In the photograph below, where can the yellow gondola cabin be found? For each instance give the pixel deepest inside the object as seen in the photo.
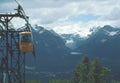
(26, 44)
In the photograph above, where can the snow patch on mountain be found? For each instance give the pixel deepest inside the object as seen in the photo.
(103, 40)
(70, 43)
(42, 31)
(111, 33)
(39, 29)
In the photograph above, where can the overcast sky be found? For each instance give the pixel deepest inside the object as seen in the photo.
(68, 16)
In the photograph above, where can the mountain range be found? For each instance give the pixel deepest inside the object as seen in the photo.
(57, 55)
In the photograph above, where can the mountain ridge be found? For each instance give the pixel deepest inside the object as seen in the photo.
(54, 56)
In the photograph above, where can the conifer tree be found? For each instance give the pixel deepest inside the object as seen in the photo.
(84, 70)
(91, 72)
(77, 73)
(96, 69)
(105, 75)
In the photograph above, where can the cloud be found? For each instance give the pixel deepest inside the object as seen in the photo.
(73, 28)
(50, 15)
(6, 1)
(70, 43)
(113, 15)
(47, 3)
(57, 13)
(81, 28)
(7, 6)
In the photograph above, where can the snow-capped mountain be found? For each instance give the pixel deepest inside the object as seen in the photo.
(72, 41)
(106, 36)
(105, 44)
(51, 52)
(54, 51)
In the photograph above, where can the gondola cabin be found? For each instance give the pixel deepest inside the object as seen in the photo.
(26, 44)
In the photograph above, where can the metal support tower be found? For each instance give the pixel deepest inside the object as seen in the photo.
(12, 61)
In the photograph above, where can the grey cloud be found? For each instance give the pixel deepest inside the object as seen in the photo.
(50, 11)
(114, 15)
(6, 1)
(7, 7)
(47, 3)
